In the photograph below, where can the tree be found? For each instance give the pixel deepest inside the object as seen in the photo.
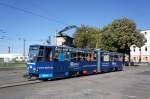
(120, 35)
(86, 37)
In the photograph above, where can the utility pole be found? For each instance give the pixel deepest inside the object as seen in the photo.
(8, 49)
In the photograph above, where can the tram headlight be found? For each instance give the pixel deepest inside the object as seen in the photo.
(34, 69)
(30, 66)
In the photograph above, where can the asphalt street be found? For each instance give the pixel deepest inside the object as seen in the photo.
(11, 76)
(132, 83)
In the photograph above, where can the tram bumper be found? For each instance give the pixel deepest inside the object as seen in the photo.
(45, 75)
(45, 72)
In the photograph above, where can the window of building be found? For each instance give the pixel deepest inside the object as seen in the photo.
(145, 48)
(145, 33)
(134, 58)
(145, 40)
(134, 48)
(146, 58)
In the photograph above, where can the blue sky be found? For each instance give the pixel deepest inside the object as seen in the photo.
(19, 25)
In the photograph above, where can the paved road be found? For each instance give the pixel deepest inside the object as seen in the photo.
(11, 76)
(133, 83)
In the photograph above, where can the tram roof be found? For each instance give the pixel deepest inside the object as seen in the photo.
(77, 49)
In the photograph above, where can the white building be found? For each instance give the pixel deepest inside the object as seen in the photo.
(60, 41)
(10, 57)
(63, 39)
(142, 54)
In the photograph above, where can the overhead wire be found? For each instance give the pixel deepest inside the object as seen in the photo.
(32, 13)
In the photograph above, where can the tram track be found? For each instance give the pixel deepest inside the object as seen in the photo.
(14, 84)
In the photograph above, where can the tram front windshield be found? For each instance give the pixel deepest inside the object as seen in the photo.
(33, 51)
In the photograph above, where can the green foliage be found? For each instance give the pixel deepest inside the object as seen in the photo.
(87, 37)
(120, 35)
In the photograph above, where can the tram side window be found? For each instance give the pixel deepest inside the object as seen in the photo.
(83, 55)
(79, 56)
(95, 56)
(67, 55)
(73, 56)
(60, 54)
(111, 58)
(91, 56)
(48, 54)
(56, 56)
(115, 57)
(106, 58)
(120, 58)
(88, 56)
(102, 58)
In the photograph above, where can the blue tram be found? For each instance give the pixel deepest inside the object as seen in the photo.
(49, 62)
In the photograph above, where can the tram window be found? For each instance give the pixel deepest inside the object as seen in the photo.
(73, 56)
(106, 58)
(41, 54)
(61, 56)
(48, 54)
(56, 55)
(95, 56)
(102, 58)
(67, 55)
(91, 56)
(83, 55)
(88, 56)
(120, 58)
(80, 56)
(111, 58)
(115, 57)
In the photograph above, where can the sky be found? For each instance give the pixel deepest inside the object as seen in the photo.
(38, 19)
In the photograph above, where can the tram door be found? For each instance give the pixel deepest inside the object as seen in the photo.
(98, 52)
(61, 61)
(105, 61)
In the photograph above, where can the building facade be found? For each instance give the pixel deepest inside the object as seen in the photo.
(4, 58)
(64, 40)
(142, 54)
